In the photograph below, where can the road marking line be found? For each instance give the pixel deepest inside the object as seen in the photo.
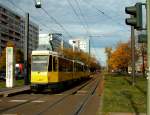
(58, 94)
(20, 101)
(82, 91)
(10, 114)
(38, 101)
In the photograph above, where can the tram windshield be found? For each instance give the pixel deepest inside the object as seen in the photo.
(40, 63)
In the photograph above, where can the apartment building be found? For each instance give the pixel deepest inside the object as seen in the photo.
(12, 28)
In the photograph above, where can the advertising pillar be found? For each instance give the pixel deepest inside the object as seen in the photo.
(9, 67)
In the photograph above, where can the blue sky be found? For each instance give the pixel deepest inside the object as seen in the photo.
(103, 19)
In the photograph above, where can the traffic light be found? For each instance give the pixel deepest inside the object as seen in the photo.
(136, 16)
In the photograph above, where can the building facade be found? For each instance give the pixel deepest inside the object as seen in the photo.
(82, 44)
(12, 28)
(52, 41)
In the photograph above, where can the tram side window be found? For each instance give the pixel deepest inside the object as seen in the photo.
(54, 63)
(60, 68)
(82, 68)
(85, 68)
(78, 67)
(62, 65)
(75, 67)
(69, 66)
(65, 65)
(50, 63)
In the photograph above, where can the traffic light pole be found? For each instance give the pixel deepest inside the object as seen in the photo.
(133, 54)
(143, 64)
(148, 57)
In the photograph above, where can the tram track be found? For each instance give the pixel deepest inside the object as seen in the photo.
(80, 106)
(83, 103)
(72, 92)
(64, 95)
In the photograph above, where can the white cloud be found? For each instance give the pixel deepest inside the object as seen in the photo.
(99, 53)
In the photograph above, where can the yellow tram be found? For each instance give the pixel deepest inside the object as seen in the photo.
(48, 69)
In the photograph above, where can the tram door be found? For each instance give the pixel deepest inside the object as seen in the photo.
(53, 69)
(49, 67)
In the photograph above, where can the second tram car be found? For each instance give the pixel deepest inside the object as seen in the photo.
(48, 69)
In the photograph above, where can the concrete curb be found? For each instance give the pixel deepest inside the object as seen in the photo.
(120, 113)
(14, 91)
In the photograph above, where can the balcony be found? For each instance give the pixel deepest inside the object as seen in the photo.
(4, 16)
(11, 15)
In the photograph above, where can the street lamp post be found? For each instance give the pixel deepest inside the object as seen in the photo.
(26, 63)
(73, 45)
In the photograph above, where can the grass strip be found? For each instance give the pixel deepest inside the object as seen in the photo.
(121, 96)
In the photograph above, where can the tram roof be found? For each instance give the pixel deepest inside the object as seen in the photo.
(47, 52)
(44, 52)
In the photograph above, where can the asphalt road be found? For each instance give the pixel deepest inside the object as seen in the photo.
(53, 104)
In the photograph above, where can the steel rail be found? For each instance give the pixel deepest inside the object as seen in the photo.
(85, 100)
(71, 92)
(65, 95)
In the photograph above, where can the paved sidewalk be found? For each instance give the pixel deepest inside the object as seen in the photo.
(4, 92)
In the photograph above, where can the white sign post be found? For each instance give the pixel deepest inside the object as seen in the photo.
(9, 67)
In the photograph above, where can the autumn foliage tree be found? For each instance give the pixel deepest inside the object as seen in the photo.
(121, 57)
(3, 56)
(19, 56)
(81, 56)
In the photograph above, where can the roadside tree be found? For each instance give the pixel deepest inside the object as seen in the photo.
(18, 55)
(121, 57)
(90, 61)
